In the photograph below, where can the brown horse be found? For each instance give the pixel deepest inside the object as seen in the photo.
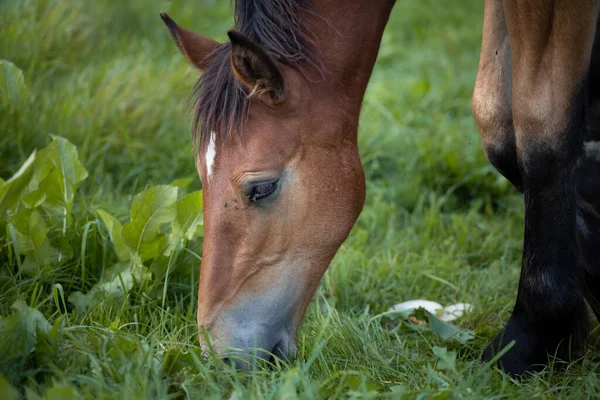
(276, 121)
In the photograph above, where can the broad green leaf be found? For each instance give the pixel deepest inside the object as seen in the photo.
(160, 265)
(30, 228)
(151, 248)
(188, 223)
(61, 393)
(29, 234)
(32, 194)
(58, 200)
(436, 325)
(48, 344)
(32, 319)
(448, 331)
(420, 88)
(10, 190)
(82, 302)
(398, 389)
(67, 160)
(150, 210)
(19, 333)
(42, 167)
(189, 214)
(117, 280)
(31, 394)
(175, 359)
(446, 359)
(13, 91)
(33, 199)
(58, 174)
(181, 183)
(7, 390)
(30, 264)
(352, 381)
(115, 230)
(62, 245)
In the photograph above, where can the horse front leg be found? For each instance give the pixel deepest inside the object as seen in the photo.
(550, 43)
(588, 188)
(492, 95)
(588, 226)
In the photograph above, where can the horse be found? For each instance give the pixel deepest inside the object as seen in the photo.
(275, 125)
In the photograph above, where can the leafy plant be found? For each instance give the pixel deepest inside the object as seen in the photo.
(27, 335)
(13, 91)
(159, 225)
(36, 204)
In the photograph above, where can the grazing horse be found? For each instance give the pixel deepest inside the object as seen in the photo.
(276, 118)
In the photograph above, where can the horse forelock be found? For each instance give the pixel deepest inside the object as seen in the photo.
(221, 103)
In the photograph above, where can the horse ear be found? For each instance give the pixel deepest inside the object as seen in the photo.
(196, 48)
(254, 69)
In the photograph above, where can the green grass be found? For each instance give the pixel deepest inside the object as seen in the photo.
(439, 222)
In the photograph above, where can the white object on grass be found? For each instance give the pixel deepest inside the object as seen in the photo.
(447, 314)
(455, 311)
(430, 306)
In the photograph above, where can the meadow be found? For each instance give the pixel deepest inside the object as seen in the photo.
(91, 306)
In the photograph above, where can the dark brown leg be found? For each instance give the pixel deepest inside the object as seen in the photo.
(550, 48)
(588, 226)
(588, 185)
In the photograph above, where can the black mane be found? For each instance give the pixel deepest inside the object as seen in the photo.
(221, 103)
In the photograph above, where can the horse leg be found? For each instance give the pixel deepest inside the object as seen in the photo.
(588, 210)
(492, 95)
(588, 227)
(588, 222)
(493, 115)
(550, 48)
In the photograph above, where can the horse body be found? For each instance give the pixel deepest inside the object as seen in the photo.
(282, 194)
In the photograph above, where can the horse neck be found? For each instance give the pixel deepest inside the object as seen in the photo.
(348, 35)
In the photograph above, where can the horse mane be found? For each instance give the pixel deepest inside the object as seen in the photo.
(221, 103)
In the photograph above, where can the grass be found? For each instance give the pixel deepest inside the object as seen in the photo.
(439, 223)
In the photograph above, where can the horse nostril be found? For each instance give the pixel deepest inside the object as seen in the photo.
(279, 352)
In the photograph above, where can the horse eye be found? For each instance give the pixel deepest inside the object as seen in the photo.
(262, 191)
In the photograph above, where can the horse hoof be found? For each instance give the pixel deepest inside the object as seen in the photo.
(519, 351)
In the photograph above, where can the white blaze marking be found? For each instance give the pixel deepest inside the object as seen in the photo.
(211, 152)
